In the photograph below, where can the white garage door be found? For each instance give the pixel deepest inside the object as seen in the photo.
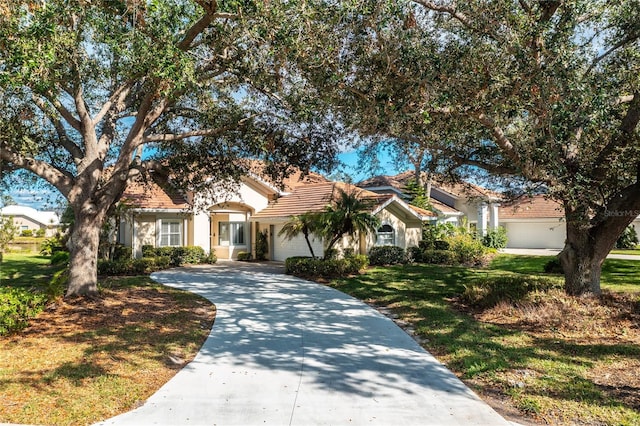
(284, 248)
(535, 235)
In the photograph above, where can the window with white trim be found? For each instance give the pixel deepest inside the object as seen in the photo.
(170, 233)
(386, 236)
(231, 233)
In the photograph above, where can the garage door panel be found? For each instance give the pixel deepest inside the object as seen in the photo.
(297, 246)
(549, 235)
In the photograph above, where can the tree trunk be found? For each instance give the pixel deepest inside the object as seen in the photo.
(585, 250)
(306, 238)
(83, 261)
(582, 265)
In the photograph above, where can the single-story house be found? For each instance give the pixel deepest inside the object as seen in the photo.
(158, 215)
(29, 219)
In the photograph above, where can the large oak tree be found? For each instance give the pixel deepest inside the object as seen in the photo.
(96, 93)
(541, 90)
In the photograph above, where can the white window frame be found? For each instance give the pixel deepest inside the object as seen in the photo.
(172, 233)
(388, 238)
(232, 234)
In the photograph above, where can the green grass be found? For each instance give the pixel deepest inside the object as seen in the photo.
(25, 270)
(88, 360)
(617, 274)
(540, 375)
(635, 251)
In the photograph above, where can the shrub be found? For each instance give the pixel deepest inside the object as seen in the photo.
(210, 258)
(415, 254)
(308, 267)
(387, 255)
(60, 257)
(56, 287)
(439, 257)
(149, 251)
(122, 252)
(441, 245)
(191, 255)
(553, 266)
(244, 256)
(40, 232)
(51, 246)
(145, 265)
(488, 292)
(114, 267)
(162, 262)
(495, 238)
(628, 239)
(468, 250)
(27, 233)
(262, 245)
(17, 306)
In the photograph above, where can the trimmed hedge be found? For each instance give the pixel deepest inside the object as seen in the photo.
(387, 255)
(308, 267)
(439, 257)
(178, 255)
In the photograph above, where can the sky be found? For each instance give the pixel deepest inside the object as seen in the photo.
(41, 199)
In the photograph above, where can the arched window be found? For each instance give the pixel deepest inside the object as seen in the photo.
(386, 236)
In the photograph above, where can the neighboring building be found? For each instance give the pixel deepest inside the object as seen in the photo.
(158, 215)
(459, 203)
(534, 222)
(30, 219)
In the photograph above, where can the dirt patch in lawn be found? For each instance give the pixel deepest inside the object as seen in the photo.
(85, 360)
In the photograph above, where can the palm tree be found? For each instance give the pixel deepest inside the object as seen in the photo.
(347, 215)
(305, 224)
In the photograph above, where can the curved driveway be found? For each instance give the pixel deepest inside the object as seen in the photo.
(284, 351)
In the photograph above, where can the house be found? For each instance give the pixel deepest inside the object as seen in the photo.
(30, 219)
(533, 222)
(400, 223)
(458, 203)
(157, 215)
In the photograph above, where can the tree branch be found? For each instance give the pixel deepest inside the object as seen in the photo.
(116, 98)
(64, 112)
(63, 137)
(500, 138)
(62, 180)
(172, 137)
(450, 10)
(630, 38)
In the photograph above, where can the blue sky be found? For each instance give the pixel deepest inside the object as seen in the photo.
(46, 200)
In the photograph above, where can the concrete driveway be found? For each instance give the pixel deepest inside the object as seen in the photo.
(285, 351)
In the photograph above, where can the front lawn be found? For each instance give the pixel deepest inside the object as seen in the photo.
(81, 362)
(561, 361)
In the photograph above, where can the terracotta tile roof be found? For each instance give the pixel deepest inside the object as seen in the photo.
(314, 198)
(458, 190)
(150, 195)
(537, 206)
(442, 207)
(295, 179)
(422, 212)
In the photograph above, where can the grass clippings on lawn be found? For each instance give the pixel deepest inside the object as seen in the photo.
(92, 359)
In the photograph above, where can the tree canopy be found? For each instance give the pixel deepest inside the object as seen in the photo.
(93, 94)
(544, 91)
